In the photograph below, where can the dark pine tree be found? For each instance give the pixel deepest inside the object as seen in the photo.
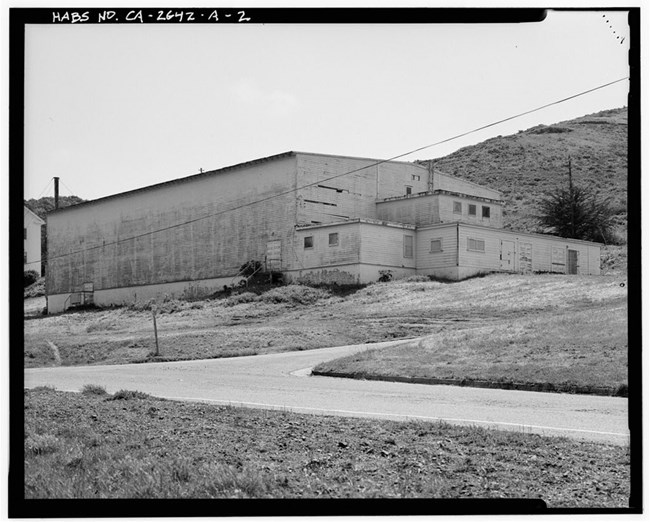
(577, 213)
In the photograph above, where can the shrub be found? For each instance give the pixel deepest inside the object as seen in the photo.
(250, 267)
(127, 395)
(244, 297)
(93, 389)
(293, 294)
(30, 277)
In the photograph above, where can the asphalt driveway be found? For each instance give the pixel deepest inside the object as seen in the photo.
(282, 381)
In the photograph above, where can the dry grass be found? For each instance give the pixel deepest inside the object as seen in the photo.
(93, 446)
(586, 348)
(500, 323)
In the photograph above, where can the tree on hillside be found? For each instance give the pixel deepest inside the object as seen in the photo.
(42, 206)
(575, 212)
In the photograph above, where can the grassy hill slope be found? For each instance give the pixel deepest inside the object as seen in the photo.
(532, 163)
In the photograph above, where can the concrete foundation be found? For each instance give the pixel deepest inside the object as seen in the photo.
(140, 294)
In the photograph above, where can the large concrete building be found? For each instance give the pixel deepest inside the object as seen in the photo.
(313, 217)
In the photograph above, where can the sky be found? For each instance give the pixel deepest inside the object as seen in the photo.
(117, 107)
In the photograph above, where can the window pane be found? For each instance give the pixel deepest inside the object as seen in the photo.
(486, 212)
(458, 209)
(309, 241)
(408, 190)
(334, 239)
(476, 244)
(436, 245)
(472, 210)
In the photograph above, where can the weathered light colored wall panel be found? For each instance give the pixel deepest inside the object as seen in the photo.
(416, 210)
(487, 260)
(203, 249)
(427, 260)
(383, 246)
(322, 254)
(447, 214)
(395, 176)
(345, 197)
(545, 250)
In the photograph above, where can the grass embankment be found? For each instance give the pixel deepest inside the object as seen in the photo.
(543, 333)
(564, 330)
(128, 445)
(582, 351)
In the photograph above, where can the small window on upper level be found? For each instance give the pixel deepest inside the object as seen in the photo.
(458, 207)
(436, 245)
(415, 177)
(486, 212)
(477, 245)
(334, 239)
(408, 246)
(409, 190)
(24, 257)
(309, 242)
(472, 210)
(24, 233)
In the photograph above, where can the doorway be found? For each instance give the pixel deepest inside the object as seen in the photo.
(572, 261)
(507, 255)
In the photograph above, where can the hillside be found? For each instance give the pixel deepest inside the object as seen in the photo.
(527, 165)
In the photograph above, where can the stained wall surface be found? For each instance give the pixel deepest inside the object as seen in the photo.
(134, 239)
(527, 252)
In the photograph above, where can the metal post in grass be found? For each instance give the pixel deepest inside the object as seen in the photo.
(155, 328)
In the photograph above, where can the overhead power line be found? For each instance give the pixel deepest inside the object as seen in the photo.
(379, 162)
(46, 186)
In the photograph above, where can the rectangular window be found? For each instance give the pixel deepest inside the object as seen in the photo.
(415, 177)
(24, 233)
(458, 207)
(334, 239)
(486, 212)
(436, 245)
(472, 210)
(24, 257)
(309, 242)
(408, 246)
(409, 190)
(477, 245)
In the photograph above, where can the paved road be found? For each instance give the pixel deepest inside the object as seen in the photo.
(282, 381)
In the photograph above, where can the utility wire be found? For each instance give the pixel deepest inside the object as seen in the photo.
(43, 191)
(286, 192)
(66, 186)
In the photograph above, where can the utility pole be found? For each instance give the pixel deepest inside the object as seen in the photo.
(155, 327)
(573, 203)
(56, 192)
